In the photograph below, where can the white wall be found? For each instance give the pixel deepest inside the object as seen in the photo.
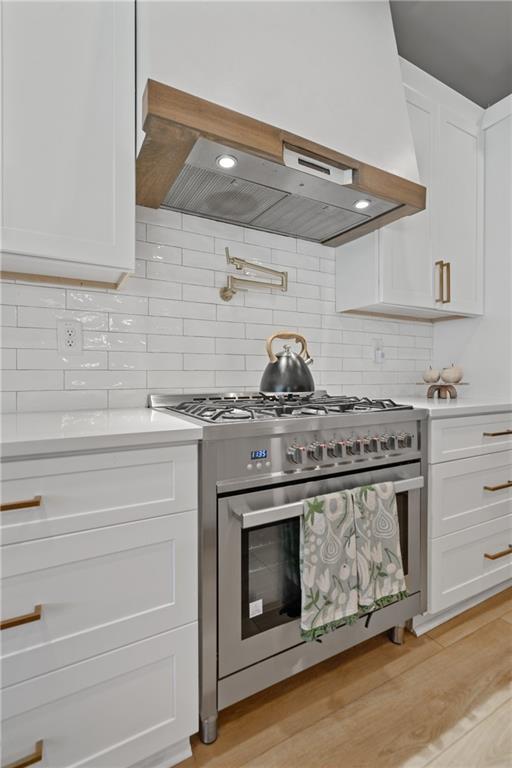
(483, 346)
(168, 329)
(326, 71)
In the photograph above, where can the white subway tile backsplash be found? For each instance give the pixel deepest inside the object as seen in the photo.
(213, 329)
(270, 240)
(8, 358)
(16, 381)
(182, 309)
(200, 380)
(144, 361)
(34, 317)
(168, 330)
(9, 315)
(138, 286)
(160, 253)
(107, 302)
(247, 251)
(43, 359)
(211, 227)
(178, 238)
(32, 295)
(145, 324)
(8, 402)
(163, 217)
(180, 344)
(177, 274)
(127, 342)
(33, 338)
(213, 362)
(104, 379)
(62, 400)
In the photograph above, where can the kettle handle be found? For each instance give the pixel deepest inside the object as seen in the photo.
(287, 335)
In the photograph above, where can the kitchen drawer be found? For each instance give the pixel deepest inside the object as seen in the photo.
(98, 590)
(96, 489)
(460, 438)
(458, 497)
(458, 568)
(111, 710)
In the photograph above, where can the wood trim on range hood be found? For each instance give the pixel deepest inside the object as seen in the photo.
(173, 121)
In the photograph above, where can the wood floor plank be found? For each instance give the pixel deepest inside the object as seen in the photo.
(462, 625)
(507, 616)
(413, 717)
(266, 719)
(488, 744)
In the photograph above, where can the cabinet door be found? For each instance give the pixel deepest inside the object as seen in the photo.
(459, 214)
(406, 246)
(68, 132)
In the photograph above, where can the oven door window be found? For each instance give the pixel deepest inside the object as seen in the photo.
(271, 593)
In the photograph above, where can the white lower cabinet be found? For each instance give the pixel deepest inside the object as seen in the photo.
(465, 563)
(99, 607)
(111, 710)
(470, 507)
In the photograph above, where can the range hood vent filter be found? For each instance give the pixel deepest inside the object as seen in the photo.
(308, 219)
(219, 196)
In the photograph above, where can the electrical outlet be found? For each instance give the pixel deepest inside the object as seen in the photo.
(378, 351)
(69, 336)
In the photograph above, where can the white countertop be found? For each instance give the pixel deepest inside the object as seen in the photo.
(439, 409)
(26, 434)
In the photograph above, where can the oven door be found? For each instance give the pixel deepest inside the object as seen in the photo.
(259, 560)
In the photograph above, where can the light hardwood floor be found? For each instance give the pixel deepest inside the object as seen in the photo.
(443, 700)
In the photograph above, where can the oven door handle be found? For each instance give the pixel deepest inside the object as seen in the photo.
(250, 518)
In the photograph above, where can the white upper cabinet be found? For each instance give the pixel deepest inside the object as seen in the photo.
(429, 265)
(68, 144)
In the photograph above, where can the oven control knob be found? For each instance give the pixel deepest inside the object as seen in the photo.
(349, 447)
(393, 442)
(336, 449)
(408, 439)
(402, 440)
(374, 444)
(384, 442)
(296, 453)
(317, 451)
(359, 446)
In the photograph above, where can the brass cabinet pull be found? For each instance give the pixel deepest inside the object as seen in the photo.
(497, 555)
(500, 487)
(497, 434)
(25, 504)
(448, 268)
(35, 757)
(25, 618)
(440, 265)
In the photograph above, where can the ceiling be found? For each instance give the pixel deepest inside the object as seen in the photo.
(467, 45)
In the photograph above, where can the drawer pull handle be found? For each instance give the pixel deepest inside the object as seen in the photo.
(35, 757)
(500, 487)
(26, 618)
(497, 555)
(35, 502)
(498, 434)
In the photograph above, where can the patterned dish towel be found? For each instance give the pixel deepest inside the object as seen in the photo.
(351, 563)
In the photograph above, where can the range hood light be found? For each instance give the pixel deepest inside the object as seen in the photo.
(226, 161)
(360, 204)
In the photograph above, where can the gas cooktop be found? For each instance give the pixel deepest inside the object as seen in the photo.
(217, 408)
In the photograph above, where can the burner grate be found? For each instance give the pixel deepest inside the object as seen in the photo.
(255, 406)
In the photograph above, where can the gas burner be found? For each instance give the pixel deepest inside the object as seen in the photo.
(254, 406)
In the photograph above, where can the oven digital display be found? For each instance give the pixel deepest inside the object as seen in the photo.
(261, 454)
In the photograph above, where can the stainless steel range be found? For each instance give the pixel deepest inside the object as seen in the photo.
(260, 457)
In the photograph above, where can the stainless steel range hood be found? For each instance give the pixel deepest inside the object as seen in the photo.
(278, 182)
(303, 198)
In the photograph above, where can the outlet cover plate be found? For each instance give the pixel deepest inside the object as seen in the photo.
(69, 337)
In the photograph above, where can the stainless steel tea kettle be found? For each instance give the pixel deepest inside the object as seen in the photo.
(287, 371)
